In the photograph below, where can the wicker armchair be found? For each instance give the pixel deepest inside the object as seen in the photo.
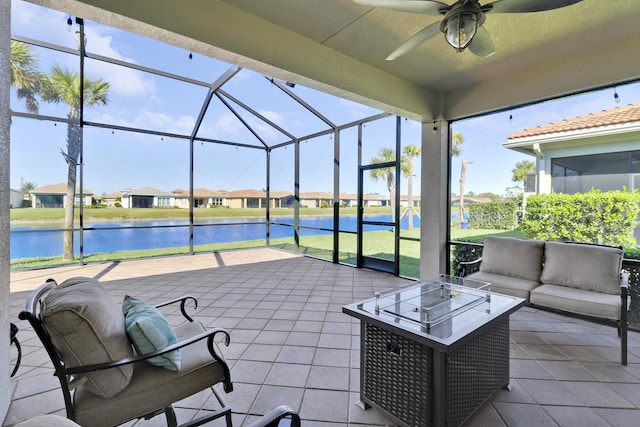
(102, 380)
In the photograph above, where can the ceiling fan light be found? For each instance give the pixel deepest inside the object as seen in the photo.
(460, 28)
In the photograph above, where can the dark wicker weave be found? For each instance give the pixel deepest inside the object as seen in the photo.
(476, 370)
(398, 378)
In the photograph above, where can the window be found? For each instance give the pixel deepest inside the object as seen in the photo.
(164, 202)
(606, 172)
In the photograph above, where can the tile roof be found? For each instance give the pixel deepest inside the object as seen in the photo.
(198, 192)
(60, 188)
(280, 194)
(147, 191)
(316, 195)
(615, 116)
(246, 193)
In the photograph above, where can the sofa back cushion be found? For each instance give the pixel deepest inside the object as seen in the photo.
(508, 256)
(582, 266)
(86, 326)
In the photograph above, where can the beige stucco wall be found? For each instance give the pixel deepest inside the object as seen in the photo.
(434, 230)
(236, 203)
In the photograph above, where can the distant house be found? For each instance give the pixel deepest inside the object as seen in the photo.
(319, 199)
(316, 199)
(370, 200)
(404, 200)
(348, 199)
(247, 199)
(258, 199)
(281, 199)
(15, 198)
(55, 196)
(202, 198)
(110, 200)
(598, 150)
(147, 197)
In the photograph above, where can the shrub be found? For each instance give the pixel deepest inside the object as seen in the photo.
(463, 252)
(493, 215)
(596, 217)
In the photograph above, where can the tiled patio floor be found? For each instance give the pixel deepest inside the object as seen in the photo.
(291, 344)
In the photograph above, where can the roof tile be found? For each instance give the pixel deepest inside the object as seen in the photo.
(615, 116)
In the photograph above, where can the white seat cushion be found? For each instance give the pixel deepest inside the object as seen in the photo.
(587, 303)
(506, 285)
(152, 387)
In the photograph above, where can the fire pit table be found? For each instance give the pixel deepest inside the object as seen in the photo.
(434, 351)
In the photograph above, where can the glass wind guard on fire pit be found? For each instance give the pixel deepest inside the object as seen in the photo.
(433, 302)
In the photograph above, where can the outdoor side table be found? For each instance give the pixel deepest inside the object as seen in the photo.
(433, 352)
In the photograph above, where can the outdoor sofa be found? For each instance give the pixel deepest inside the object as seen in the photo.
(577, 278)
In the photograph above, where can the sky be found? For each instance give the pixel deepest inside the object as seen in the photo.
(114, 159)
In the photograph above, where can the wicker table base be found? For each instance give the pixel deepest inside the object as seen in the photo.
(417, 385)
(433, 352)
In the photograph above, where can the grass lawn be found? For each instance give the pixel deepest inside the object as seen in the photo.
(56, 215)
(379, 244)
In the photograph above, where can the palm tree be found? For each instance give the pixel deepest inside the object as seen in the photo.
(410, 152)
(522, 169)
(25, 76)
(386, 174)
(27, 188)
(456, 149)
(64, 86)
(457, 140)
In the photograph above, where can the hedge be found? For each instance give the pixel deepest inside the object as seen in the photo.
(493, 215)
(608, 218)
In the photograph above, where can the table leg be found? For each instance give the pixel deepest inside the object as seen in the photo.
(439, 388)
(363, 405)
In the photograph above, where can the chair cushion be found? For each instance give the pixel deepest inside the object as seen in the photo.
(149, 331)
(87, 327)
(153, 388)
(586, 303)
(506, 285)
(587, 267)
(508, 256)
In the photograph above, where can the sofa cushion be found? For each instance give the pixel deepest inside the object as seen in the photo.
(87, 327)
(152, 387)
(582, 266)
(149, 331)
(507, 256)
(506, 285)
(587, 303)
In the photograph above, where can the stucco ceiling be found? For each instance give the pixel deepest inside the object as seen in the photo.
(340, 47)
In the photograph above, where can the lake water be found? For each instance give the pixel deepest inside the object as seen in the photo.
(39, 243)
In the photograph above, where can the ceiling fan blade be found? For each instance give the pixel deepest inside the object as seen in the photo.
(424, 7)
(523, 6)
(482, 45)
(419, 38)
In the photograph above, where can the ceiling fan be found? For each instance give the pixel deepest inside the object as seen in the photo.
(462, 22)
